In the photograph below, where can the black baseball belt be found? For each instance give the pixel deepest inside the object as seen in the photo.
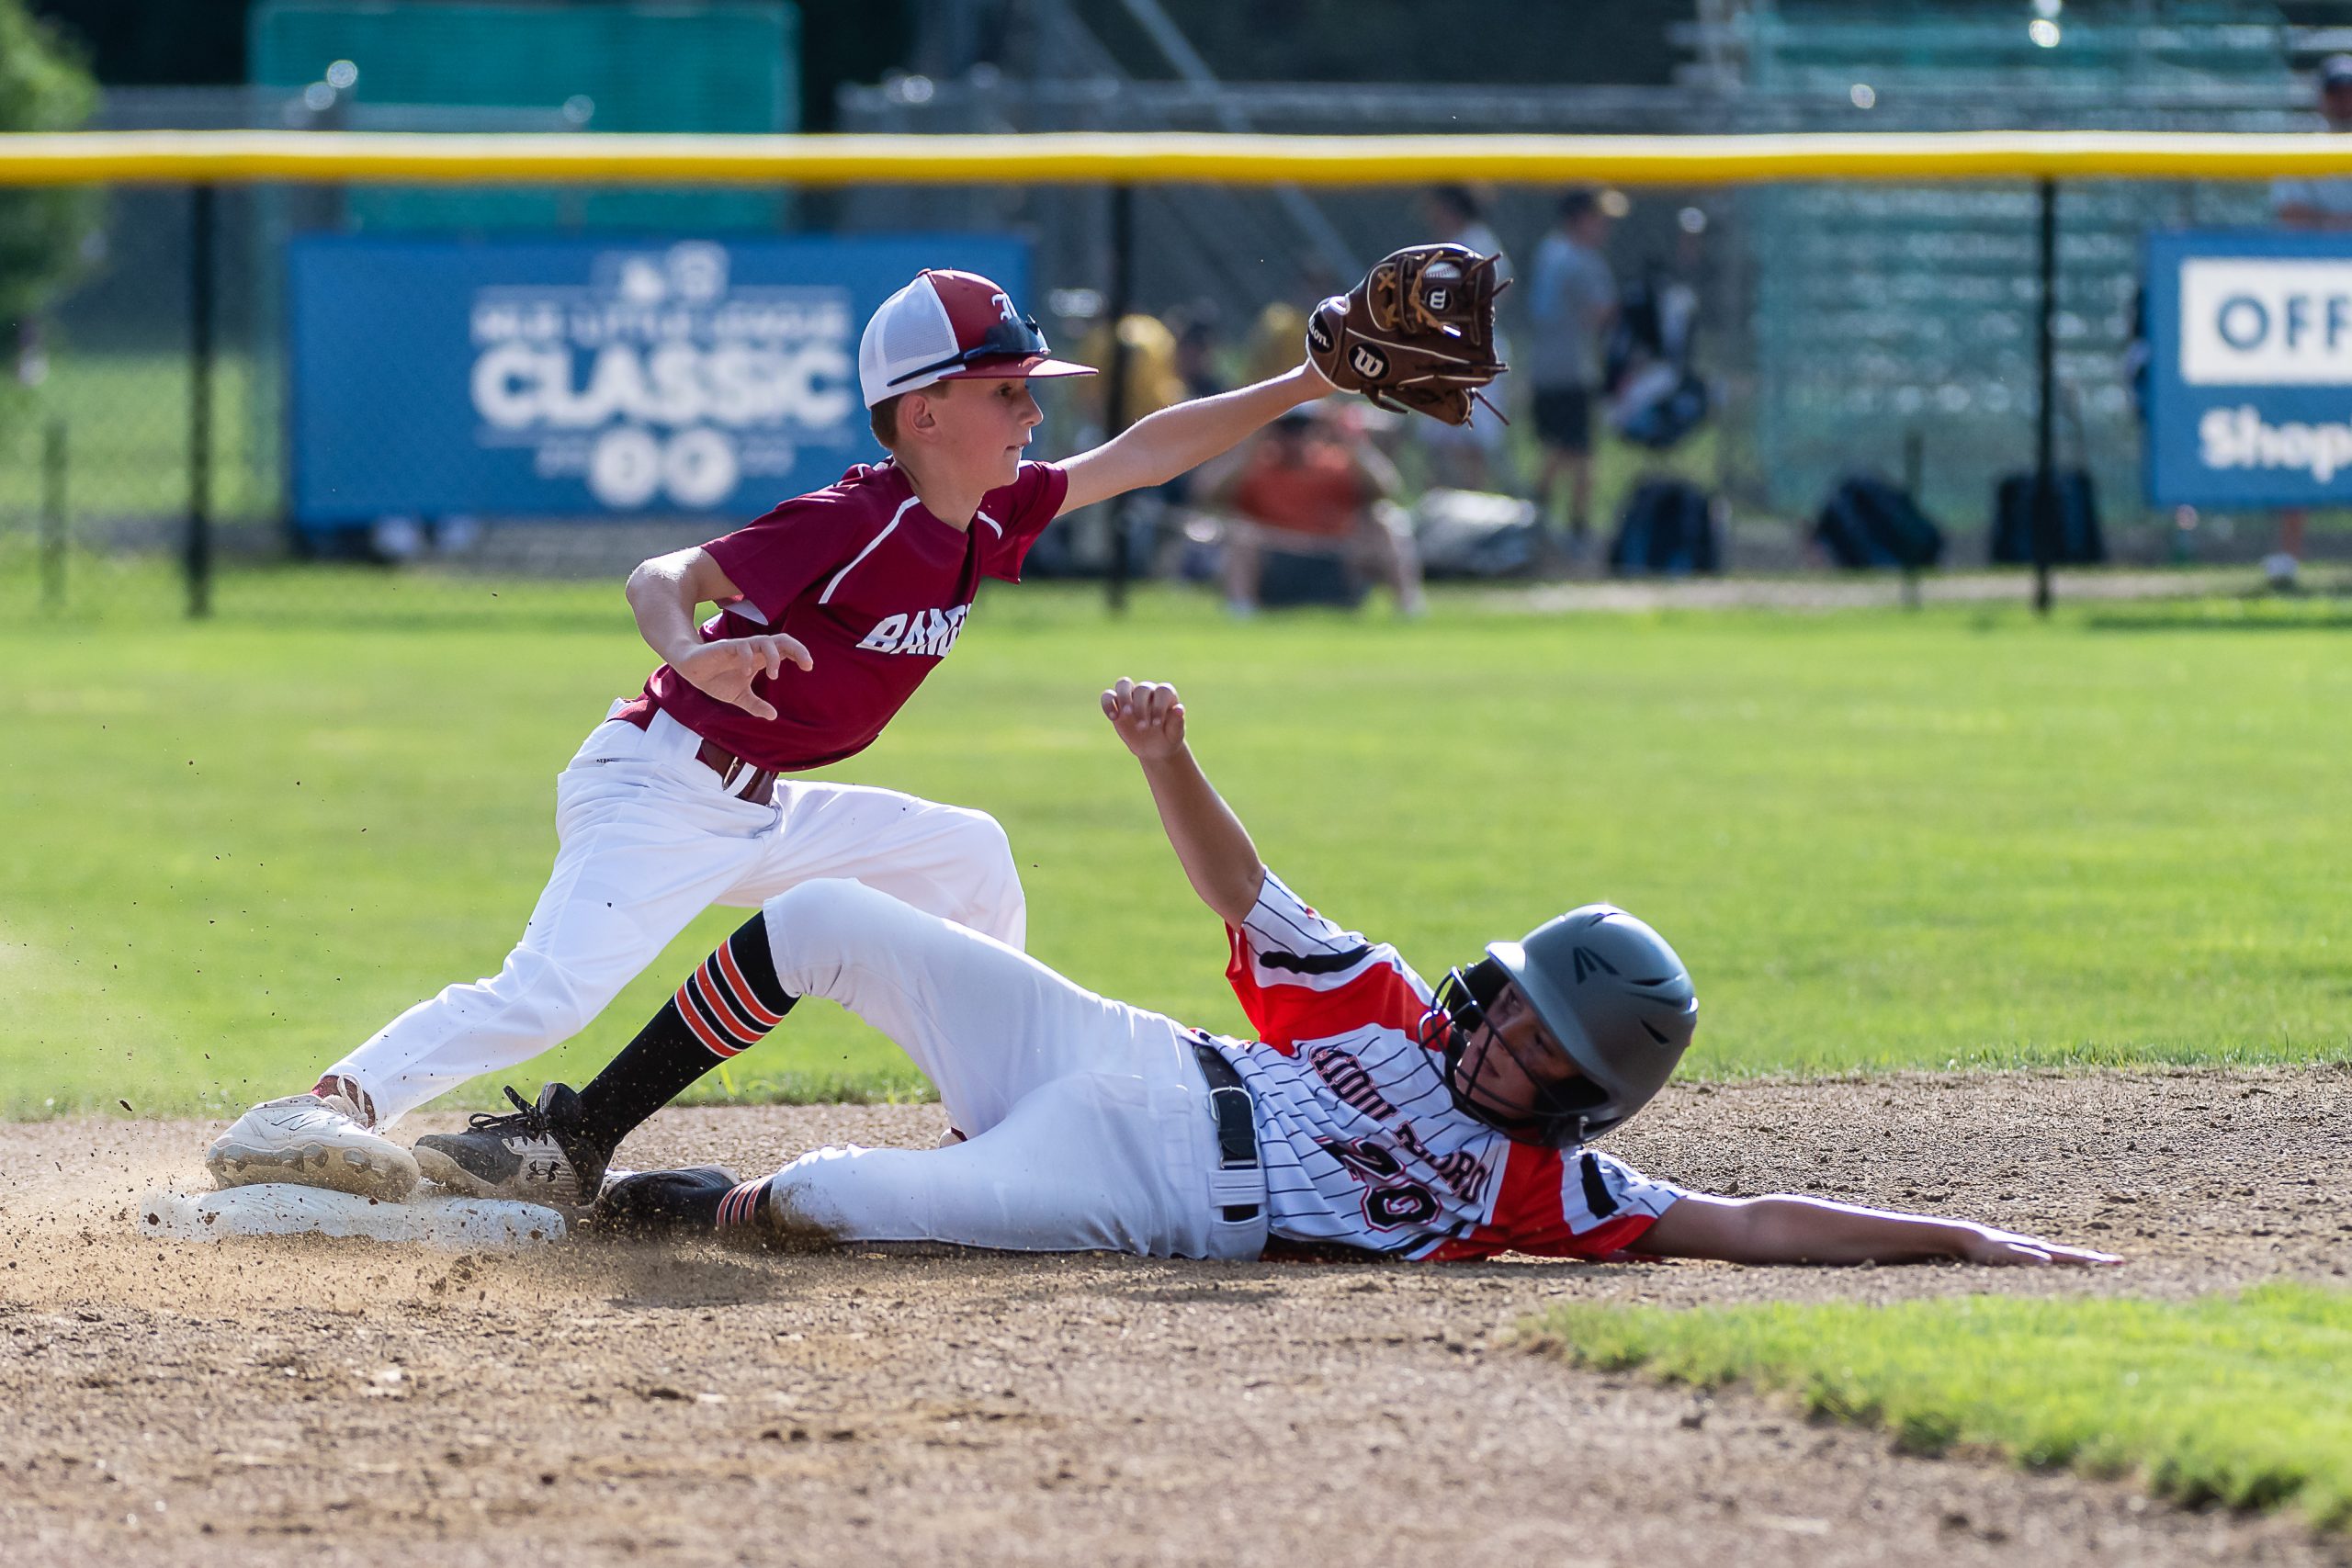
(1236, 1116)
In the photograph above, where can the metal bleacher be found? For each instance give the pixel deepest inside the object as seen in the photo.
(1883, 316)
(718, 66)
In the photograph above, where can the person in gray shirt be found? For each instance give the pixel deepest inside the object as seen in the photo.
(2317, 206)
(1474, 456)
(2324, 203)
(1573, 301)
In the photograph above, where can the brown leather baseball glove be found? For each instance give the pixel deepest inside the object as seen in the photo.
(1417, 334)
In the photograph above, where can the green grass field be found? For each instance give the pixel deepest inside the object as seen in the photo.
(2230, 1400)
(126, 423)
(1880, 841)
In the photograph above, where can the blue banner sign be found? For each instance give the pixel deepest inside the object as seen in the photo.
(587, 379)
(2250, 380)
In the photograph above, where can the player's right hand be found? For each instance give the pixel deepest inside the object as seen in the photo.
(2008, 1249)
(727, 668)
(1148, 715)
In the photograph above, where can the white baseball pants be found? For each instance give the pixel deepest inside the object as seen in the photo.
(648, 839)
(1088, 1121)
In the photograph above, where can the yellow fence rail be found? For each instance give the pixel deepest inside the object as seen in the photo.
(235, 157)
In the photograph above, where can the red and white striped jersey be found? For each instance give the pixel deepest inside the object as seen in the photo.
(1362, 1143)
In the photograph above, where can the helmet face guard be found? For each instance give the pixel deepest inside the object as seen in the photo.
(1559, 1111)
(1610, 994)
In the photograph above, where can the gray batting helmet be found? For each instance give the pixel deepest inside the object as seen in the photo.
(1609, 991)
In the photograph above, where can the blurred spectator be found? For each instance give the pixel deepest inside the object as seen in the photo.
(1277, 338)
(1467, 457)
(1196, 352)
(2324, 203)
(29, 356)
(1455, 217)
(1152, 383)
(1311, 484)
(2318, 206)
(1656, 394)
(1572, 304)
(1195, 369)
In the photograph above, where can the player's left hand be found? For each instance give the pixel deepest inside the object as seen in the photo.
(1148, 715)
(1416, 335)
(726, 669)
(2010, 1249)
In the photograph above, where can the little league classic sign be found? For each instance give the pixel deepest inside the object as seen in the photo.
(2250, 380)
(586, 379)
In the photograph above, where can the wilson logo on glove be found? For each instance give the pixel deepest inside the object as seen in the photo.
(1417, 334)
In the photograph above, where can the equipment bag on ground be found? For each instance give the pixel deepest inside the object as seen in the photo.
(1469, 533)
(1867, 524)
(2076, 540)
(1668, 530)
(1294, 577)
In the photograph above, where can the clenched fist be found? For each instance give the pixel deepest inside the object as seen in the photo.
(1148, 715)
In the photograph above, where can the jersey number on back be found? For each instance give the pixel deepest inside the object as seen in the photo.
(1392, 1199)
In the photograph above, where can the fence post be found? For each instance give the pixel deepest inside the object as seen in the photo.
(1913, 477)
(2045, 418)
(53, 515)
(1114, 400)
(200, 292)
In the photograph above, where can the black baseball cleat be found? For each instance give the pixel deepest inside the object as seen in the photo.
(653, 1201)
(537, 1152)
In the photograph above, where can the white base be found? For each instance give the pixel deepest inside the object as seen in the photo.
(279, 1208)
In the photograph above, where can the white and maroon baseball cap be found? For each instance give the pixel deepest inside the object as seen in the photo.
(948, 326)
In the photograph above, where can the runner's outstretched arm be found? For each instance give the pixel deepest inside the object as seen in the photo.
(1814, 1230)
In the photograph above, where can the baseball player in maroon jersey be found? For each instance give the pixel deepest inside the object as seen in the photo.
(1370, 1113)
(831, 610)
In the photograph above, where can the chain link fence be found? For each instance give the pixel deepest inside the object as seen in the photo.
(1839, 327)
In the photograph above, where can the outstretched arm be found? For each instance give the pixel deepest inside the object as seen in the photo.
(663, 594)
(1209, 840)
(1814, 1230)
(1158, 447)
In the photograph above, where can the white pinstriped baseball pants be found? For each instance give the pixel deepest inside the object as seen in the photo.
(1088, 1119)
(647, 839)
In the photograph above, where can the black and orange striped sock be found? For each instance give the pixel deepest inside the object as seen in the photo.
(725, 1006)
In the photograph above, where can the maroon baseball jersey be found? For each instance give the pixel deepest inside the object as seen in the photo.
(875, 588)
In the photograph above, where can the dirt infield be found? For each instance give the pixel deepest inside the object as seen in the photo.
(316, 1401)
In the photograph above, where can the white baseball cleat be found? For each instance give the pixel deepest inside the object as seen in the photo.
(312, 1143)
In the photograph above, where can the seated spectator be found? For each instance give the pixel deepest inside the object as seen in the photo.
(1310, 484)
